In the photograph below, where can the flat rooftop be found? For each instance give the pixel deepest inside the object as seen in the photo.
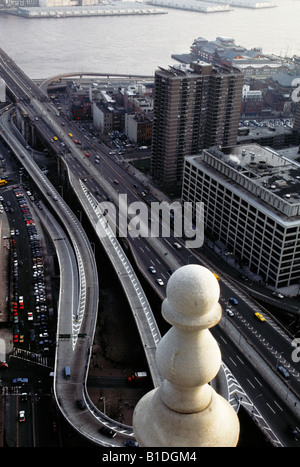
(264, 132)
(268, 168)
(270, 179)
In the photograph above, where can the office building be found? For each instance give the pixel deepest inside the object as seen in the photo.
(195, 107)
(252, 205)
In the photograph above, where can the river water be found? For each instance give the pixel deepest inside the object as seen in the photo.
(139, 44)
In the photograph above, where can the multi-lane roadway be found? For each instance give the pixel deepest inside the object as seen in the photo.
(264, 338)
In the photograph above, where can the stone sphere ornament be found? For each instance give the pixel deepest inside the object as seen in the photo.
(185, 410)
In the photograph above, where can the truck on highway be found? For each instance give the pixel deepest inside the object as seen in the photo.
(138, 376)
(67, 372)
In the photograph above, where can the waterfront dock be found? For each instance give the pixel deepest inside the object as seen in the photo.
(211, 6)
(252, 4)
(192, 5)
(109, 9)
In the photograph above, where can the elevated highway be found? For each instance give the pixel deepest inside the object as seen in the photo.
(138, 301)
(47, 113)
(78, 309)
(78, 294)
(132, 287)
(21, 88)
(78, 304)
(44, 85)
(77, 313)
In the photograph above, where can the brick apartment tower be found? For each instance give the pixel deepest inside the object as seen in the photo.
(296, 126)
(196, 106)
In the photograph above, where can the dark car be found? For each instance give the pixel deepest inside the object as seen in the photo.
(131, 443)
(293, 431)
(107, 431)
(80, 404)
(283, 371)
(233, 301)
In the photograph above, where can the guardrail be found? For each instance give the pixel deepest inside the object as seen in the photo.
(141, 310)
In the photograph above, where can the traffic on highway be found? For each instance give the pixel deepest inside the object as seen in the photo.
(254, 345)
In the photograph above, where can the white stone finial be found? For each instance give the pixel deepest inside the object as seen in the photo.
(185, 411)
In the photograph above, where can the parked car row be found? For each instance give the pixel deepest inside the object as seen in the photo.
(5, 206)
(17, 303)
(270, 122)
(121, 142)
(37, 317)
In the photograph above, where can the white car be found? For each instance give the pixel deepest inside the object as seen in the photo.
(44, 334)
(277, 294)
(30, 316)
(152, 269)
(229, 312)
(160, 281)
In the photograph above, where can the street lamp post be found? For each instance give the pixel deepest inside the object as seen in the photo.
(104, 404)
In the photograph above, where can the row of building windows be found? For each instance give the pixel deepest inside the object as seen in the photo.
(266, 246)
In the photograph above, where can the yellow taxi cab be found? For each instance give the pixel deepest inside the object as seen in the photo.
(259, 316)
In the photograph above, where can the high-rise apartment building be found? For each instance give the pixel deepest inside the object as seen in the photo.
(296, 126)
(252, 205)
(195, 107)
